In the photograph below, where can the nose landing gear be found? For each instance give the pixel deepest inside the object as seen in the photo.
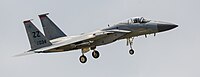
(130, 43)
(131, 51)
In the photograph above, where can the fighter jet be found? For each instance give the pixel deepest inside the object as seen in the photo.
(56, 40)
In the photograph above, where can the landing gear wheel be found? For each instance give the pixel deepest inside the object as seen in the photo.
(95, 54)
(83, 58)
(131, 51)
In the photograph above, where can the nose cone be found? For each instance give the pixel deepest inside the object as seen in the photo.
(165, 26)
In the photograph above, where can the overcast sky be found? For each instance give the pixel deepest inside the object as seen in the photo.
(174, 53)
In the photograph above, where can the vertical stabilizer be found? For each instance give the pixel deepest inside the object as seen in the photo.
(50, 29)
(36, 38)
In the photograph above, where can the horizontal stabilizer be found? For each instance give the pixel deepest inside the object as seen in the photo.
(25, 53)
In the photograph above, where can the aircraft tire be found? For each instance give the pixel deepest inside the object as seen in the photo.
(95, 54)
(83, 58)
(131, 51)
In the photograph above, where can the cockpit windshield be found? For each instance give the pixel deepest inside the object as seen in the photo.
(136, 20)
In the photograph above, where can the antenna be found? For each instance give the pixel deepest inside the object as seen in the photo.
(108, 25)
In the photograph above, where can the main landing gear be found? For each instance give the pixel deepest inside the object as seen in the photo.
(83, 58)
(95, 54)
(130, 43)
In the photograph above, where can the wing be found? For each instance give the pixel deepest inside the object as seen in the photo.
(71, 43)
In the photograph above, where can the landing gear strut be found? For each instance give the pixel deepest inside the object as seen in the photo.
(83, 58)
(130, 43)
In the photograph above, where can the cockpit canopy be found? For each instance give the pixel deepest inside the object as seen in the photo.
(136, 20)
